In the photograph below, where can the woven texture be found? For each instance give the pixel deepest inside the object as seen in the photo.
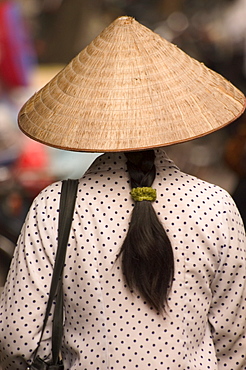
(129, 89)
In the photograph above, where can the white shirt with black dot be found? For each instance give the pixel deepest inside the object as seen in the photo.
(105, 326)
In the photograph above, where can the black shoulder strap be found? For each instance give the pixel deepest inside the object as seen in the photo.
(66, 209)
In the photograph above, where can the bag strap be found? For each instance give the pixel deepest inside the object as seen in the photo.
(66, 209)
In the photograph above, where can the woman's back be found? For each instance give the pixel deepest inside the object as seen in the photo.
(107, 326)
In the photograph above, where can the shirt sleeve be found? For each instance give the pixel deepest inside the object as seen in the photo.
(25, 295)
(227, 312)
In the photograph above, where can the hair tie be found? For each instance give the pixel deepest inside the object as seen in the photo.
(144, 193)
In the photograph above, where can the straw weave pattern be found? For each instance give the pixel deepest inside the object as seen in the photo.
(129, 89)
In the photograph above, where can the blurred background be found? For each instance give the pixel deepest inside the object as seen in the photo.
(38, 37)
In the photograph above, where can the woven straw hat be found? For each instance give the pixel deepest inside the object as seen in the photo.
(129, 89)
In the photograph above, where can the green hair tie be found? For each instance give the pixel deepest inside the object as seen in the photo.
(145, 193)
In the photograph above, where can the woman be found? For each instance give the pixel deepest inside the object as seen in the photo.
(155, 267)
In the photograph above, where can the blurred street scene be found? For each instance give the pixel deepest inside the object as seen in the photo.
(38, 37)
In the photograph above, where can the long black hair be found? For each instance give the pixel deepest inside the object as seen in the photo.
(146, 253)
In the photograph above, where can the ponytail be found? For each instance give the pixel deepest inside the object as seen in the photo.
(146, 253)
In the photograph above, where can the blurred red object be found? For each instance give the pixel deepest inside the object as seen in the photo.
(32, 167)
(17, 55)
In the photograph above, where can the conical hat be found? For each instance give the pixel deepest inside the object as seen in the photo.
(129, 89)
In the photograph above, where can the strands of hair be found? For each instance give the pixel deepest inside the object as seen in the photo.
(146, 253)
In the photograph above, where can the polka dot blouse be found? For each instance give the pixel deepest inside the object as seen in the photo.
(106, 327)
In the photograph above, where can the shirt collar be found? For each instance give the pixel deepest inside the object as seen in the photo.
(113, 161)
